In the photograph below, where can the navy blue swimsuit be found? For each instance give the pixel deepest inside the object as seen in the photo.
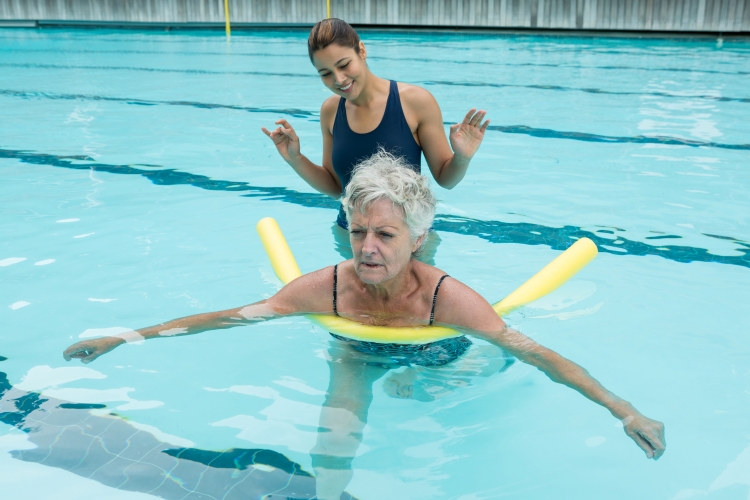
(392, 134)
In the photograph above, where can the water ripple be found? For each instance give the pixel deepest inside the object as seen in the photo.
(506, 129)
(489, 230)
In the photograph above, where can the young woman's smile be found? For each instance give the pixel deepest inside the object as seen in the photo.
(341, 68)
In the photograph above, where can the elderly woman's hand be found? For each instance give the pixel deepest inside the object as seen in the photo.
(88, 350)
(648, 434)
(466, 136)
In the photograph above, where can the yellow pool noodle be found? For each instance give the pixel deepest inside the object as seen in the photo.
(551, 277)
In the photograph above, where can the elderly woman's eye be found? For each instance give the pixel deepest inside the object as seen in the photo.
(386, 235)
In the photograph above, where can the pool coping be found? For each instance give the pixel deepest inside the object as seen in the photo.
(455, 30)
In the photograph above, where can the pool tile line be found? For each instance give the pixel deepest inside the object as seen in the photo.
(386, 58)
(489, 230)
(588, 90)
(561, 238)
(158, 70)
(536, 44)
(297, 113)
(540, 133)
(238, 459)
(544, 133)
(579, 66)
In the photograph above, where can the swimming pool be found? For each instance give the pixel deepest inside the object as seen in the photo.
(134, 170)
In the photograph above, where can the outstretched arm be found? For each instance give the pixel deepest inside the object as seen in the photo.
(648, 434)
(88, 350)
(466, 310)
(306, 294)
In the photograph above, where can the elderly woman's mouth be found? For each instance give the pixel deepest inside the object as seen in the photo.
(370, 265)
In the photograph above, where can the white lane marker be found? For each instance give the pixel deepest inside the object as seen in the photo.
(44, 262)
(63, 221)
(19, 304)
(83, 235)
(11, 260)
(92, 299)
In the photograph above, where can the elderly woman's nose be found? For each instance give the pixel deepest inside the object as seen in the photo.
(369, 246)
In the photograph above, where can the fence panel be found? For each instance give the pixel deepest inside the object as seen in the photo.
(642, 15)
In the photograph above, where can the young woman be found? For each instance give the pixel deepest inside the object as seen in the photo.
(367, 113)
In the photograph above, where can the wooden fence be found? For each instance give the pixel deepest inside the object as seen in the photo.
(640, 15)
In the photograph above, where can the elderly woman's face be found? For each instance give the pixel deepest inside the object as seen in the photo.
(381, 242)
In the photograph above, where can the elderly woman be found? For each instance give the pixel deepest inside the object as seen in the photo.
(390, 210)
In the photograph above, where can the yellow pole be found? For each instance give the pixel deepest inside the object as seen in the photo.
(226, 16)
(328, 9)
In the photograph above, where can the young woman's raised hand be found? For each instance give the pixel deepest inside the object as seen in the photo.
(466, 136)
(285, 139)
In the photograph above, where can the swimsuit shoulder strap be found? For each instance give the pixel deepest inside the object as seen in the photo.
(335, 285)
(434, 297)
(339, 121)
(394, 99)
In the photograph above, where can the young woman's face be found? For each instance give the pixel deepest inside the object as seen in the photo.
(342, 69)
(381, 242)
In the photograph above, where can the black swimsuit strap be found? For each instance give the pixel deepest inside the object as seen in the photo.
(335, 283)
(434, 297)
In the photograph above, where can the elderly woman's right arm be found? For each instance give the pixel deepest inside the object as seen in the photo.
(306, 294)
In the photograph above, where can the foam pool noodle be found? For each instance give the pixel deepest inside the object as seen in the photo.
(550, 278)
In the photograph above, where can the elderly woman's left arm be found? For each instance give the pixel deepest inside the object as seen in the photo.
(648, 434)
(465, 309)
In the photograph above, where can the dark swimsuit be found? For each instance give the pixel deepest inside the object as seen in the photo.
(436, 353)
(392, 134)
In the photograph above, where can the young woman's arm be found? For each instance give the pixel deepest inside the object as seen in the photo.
(448, 166)
(306, 294)
(461, 307)
(321, 177)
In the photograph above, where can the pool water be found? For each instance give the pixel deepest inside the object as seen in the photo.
(133, 171)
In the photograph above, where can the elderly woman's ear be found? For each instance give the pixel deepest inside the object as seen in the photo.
(417, 245)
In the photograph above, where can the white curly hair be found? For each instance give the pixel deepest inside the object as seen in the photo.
(385, 176)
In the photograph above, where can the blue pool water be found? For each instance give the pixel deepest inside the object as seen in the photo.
(133, 170)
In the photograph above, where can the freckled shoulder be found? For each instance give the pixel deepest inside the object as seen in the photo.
(310, 293)
(461, 306)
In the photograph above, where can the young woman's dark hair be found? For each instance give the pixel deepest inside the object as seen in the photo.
(330, 31)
